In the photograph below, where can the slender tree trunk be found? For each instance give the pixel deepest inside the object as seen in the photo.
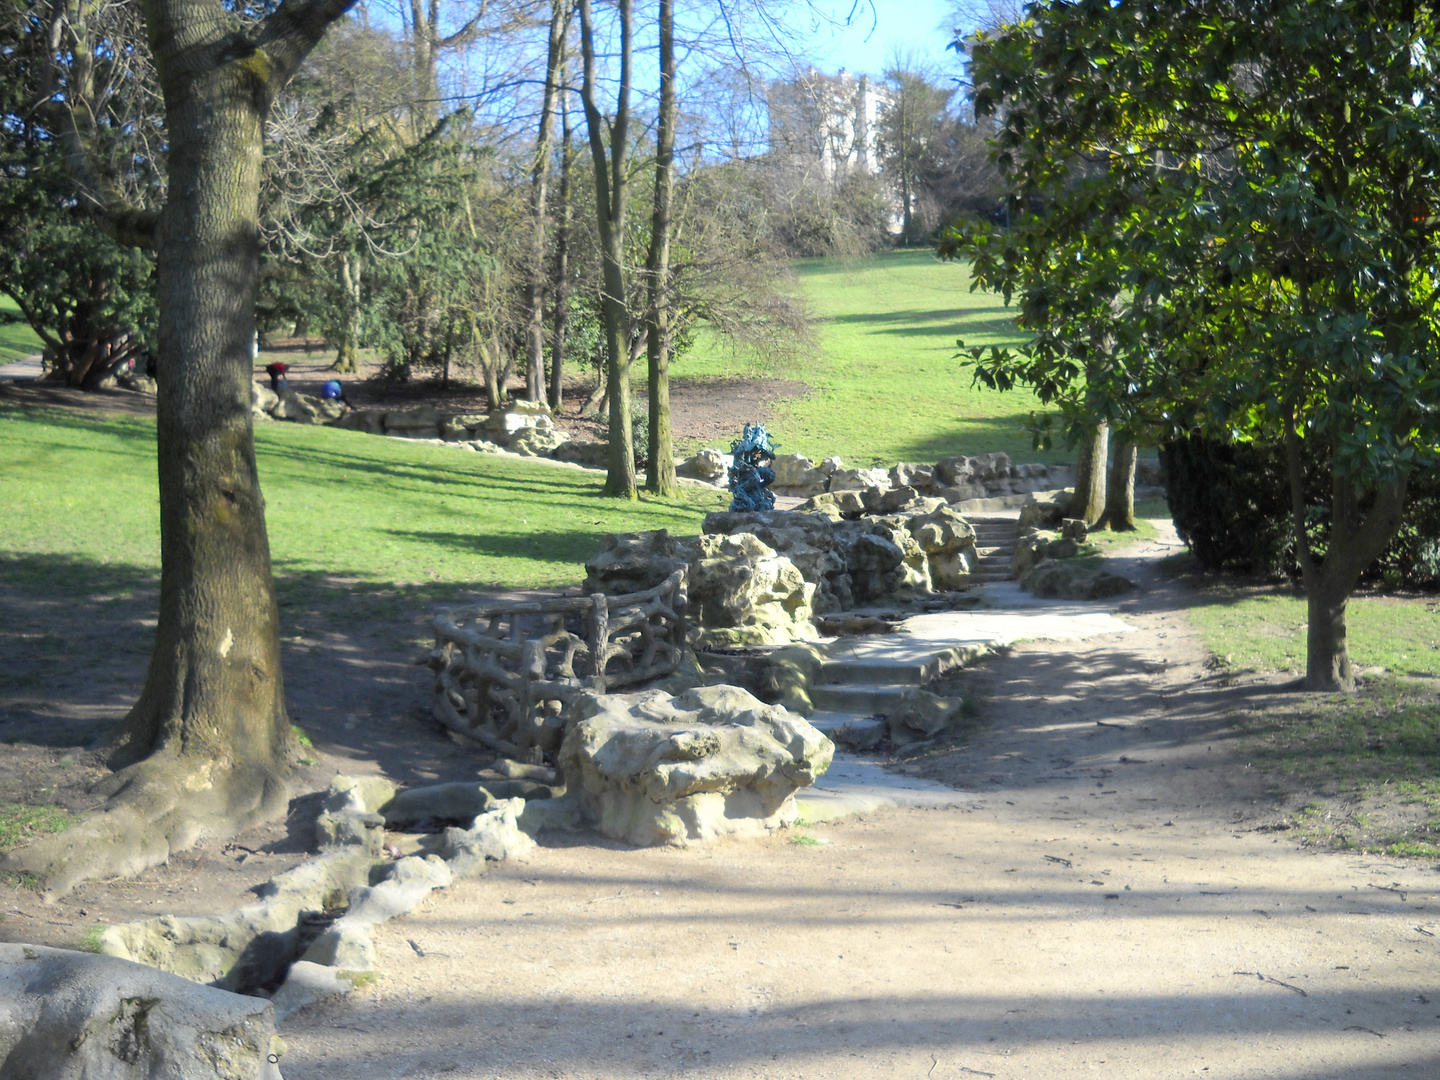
(1120, 491)
(1356, 540)
(611, 192)
(660, 473)
(1089, 500)
(539, 182)
(560, 287)
(346, 360)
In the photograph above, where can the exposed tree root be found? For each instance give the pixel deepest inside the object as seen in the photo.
(154, 808)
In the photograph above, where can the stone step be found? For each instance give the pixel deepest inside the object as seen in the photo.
(873, 672)
(858, 699)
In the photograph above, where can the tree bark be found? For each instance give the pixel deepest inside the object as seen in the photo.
(660, 473)
(1356, 540)
(1120, 491)
(206, 749)
(560, 286)
(1089, 499)
(346, 358)
(611, 194)
(539, 182)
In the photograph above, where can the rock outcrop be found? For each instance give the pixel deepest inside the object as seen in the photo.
(650, 769)
(69, 1015)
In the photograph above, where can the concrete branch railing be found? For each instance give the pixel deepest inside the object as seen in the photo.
(504, 675)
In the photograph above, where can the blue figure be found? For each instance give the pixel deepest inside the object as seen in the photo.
(751, 476)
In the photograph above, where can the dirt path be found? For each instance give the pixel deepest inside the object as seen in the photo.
(1108, 901)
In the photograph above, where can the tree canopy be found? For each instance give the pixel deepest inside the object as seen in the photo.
(1222, 220)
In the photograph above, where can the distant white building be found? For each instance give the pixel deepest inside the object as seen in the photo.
(832, 120)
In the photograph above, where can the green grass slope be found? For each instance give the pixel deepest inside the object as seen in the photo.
(17, 340)
(81, 492)
(885, 384)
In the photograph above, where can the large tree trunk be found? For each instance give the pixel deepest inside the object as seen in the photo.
(205, 750)
(660, 474)
(1089, 499)
(1120, 491)
(611, 191)
(539, 182)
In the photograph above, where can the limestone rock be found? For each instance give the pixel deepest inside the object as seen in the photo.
(859, 480)
(537, 440)
(262, 397)
(515, 416)
(708, 465)
(807, 540)
(493, 836)
(634, 562)
(1044, 509)
(795, 474)
(978, 469)
(1074, 581)
(370, 421)
(1074, 529)
(346, 944)
(140, 384)
(823, 504)
(922, 714)
(949, 545)
(459, 801)
(789, 673)
(72, 1015)
(592, 455)
(420, 422)
(651, 769)
(920, 477)
(742, 592)
(304, 408)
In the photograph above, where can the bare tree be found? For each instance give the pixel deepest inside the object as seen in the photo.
(609, 149)
(660, 472)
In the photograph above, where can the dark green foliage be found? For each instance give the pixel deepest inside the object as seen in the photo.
(89, 299)
(1231, 504)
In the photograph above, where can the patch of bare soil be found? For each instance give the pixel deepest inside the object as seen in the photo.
(350, 682)
(704, 412)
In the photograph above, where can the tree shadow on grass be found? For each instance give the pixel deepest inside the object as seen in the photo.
(75, 639)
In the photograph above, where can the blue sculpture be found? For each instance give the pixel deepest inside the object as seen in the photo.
(751, 476)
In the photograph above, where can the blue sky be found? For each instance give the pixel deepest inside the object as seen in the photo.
(869, 42)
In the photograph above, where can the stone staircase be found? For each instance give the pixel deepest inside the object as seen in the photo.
(995, 544)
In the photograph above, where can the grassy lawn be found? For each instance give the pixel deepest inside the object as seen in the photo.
(885, 385)
(1364, 767)
(1262, 629)
(17, 340)
(342, 507)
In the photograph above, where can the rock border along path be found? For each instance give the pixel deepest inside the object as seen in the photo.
(1098, 895)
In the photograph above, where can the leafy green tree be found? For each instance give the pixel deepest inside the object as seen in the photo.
(207, 748)
(1221, 221)
(90, 299)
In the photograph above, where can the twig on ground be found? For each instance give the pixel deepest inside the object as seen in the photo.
(1268, 979)
(1056, 859)
(1368, 1031)
(1387, 888)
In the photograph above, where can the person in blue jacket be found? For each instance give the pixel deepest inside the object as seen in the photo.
(333, 391)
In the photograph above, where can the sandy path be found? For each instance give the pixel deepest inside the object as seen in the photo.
(1091, 909)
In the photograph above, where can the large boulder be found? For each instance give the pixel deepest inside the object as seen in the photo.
(72, 1015)
(982, 470)
(515, 416)
(537, 440)
(262, 397)
(1072, 580)
(304, 408)
(948, 542)
(920, 477)
(743, 592)
(807, 540)
(859, 480)
(634, 562)
(592, 455)
(708, 465)
(1045, 509)
(651, 769)
(795, 474)
(370, 421)
(420, 422)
